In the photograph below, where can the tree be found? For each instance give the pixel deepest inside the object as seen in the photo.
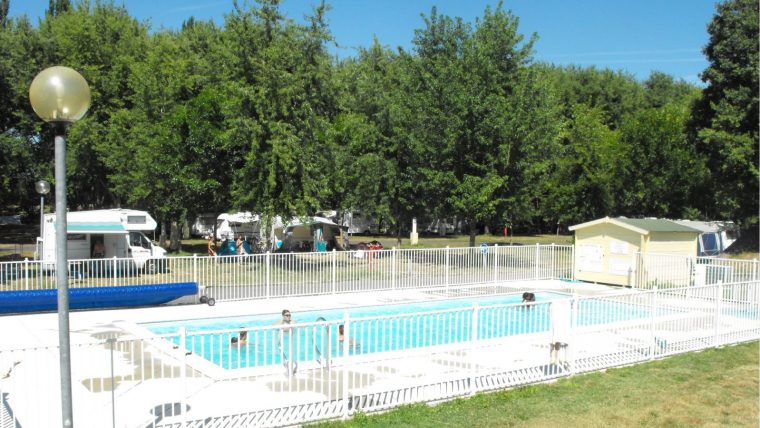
(658, 172)
(4, 5)
(582, 183)
(726, 118)
(485, 117)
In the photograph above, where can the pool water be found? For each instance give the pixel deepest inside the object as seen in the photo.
(315, 336)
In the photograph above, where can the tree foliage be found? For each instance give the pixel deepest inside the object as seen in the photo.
(254, 114)
(726, 118)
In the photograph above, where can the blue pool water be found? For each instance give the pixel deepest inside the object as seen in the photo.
(373, 329)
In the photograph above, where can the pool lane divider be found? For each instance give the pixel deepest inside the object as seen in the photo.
(95, 297)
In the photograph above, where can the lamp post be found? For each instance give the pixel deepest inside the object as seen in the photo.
(61, 96)
(43, 188)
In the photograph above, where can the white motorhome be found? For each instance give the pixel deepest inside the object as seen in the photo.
(103, 234)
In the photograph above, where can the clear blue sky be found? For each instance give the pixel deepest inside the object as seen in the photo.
(638, 36)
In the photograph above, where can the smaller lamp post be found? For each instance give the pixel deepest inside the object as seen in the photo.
(43, 188)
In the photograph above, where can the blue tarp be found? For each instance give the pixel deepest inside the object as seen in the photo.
(95, 297)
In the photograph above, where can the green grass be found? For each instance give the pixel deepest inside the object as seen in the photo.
(715, 387)
(198, 246)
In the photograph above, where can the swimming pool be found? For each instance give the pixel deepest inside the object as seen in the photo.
(316, 337)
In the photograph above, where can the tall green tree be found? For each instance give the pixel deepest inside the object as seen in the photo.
(726, 118)
(583, 179)
(279, 73)
(658, 168)
(484, 114)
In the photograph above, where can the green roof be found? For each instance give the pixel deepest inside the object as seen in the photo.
(656, 225)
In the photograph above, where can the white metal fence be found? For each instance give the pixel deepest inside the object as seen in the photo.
(285, 375)
(667, 270)
(292, 274)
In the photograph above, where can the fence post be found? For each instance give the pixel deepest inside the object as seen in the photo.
(718, 298)
(652, 325)
(551, 272)
(495, 263)
(446, 271)
(572, 262)
(195, 276)
(269, 280)
(538, 255)
(473, 341)
(344, 352)
(183, 374)
(393, 268)
(334, 266)
(26, 273)
(111, 341)
(113, 268)
(573, 324)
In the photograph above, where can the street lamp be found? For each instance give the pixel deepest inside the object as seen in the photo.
(43, 188)
(61, 96)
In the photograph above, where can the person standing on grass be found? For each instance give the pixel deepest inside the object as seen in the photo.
(239, 245)
(211, 246)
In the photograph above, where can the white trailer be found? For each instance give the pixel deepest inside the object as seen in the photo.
(103, 234)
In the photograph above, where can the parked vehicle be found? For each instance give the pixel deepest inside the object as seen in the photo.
(103, 234)
(230, 226)
(203, 225)
(358, 222)
(716, 236)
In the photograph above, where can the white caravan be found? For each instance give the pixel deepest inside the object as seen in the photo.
(102, 234)
(230, 226)
(357, 222)
(203, 225)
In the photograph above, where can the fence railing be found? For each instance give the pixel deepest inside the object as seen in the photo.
(667, 270)
(291, 374)
(291, 274)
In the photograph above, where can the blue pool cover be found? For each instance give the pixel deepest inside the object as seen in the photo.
(95, 297)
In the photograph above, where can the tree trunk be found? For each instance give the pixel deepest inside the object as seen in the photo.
(473, 233)
(162, 236)
(176, 242)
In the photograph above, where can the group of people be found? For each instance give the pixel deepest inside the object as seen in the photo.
(240, 247)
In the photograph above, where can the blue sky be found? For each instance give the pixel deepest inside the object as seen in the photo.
(637, 36)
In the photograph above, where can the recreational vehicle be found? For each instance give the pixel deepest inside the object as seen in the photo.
(230, 226)
(203, 225)
(103, 234)
(716, 236)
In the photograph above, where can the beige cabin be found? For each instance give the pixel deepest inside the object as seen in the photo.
(606, 249)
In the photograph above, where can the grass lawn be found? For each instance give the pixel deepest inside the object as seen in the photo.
(715, 387)
(198, 246)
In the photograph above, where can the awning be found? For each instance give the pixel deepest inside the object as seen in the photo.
(96, 228)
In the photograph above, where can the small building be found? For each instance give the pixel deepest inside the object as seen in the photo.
(606, 249)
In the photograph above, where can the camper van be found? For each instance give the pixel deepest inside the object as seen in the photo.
(230, 226)
(716, 236)
(103, 234)
(203, 225)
